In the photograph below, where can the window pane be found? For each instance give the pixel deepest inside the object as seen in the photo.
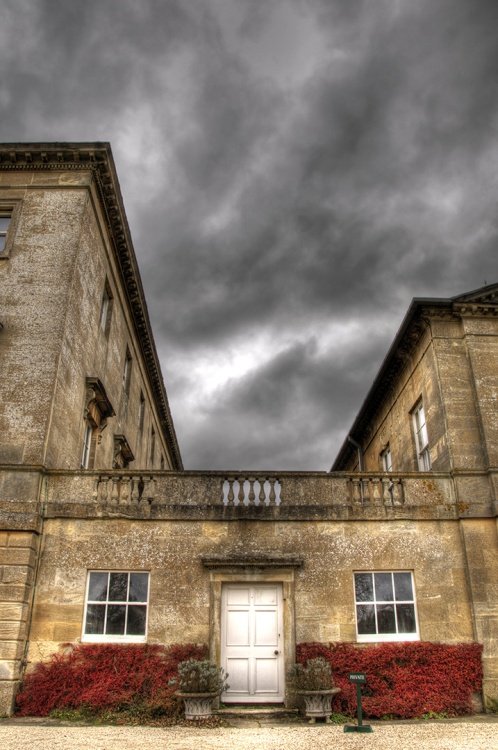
(384, 587)
(136, 620)
(3, 240)
(406, 618)
(365, 614)
(4, 223)
(363, 587)
(115, 619)
(118, 587)
(139, 583)
(95, 618)
(403, 586)
(385, 618)
(97, 588)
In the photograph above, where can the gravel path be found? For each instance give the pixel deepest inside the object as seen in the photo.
(430, 736)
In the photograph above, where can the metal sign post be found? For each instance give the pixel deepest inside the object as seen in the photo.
(359, 679)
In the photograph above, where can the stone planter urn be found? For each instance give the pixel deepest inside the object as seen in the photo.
(197, 705)
(199, 682)
(317, 703)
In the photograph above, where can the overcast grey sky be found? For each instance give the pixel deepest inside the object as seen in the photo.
(294, 172)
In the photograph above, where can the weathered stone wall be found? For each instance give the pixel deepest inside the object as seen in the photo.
(454, 369)
(52, 286)
(481, 337)
(89, 351)
(392, 423)
(180, 591)
(35, 281)
(480, 540)
(18, 555)
(467, 447)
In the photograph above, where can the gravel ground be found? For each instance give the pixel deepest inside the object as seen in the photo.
(471, 735)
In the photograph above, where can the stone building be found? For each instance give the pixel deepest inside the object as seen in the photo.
(103, 535)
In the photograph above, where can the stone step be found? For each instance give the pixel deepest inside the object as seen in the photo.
(257, 715)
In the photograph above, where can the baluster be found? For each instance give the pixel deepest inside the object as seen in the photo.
(397, 492)
(356, 491)
(151, 490)
(262, 494)
(365, 490)
(103, 489)
(278, 491)
(135, 493)
(375, 490)
(95, 493)
(231, 495)
(252, 496)
(272, 497)
(386, 491)
(241, 491)
(115, 490)
(125, 490)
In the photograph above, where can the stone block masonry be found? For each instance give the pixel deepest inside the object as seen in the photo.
(18, 555)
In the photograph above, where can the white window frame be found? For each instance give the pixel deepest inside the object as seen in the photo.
(387, 459)
(152, 446)
(5, 214)
(9, 210)
(141, 412)
(127, 372)
(421, 437)
(87, 445)
(106, 309)
(111, 637)
(386, 637)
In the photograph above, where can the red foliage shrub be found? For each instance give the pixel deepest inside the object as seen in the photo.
(105, 676)
(403, 679)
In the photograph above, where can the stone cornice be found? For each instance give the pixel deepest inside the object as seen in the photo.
(217, 562)
(97, 157)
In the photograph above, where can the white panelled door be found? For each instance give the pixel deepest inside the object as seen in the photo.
(252, 643)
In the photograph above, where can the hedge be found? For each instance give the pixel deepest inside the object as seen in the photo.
(404, 680)
(106, 677)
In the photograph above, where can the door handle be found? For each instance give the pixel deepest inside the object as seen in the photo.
(276, 652)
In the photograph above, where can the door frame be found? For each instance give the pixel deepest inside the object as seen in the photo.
(254, 575)
(278, 696)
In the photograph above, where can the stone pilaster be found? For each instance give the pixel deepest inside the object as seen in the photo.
(18, 555)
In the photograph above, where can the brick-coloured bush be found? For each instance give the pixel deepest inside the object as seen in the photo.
(404, 680)
(106, 677)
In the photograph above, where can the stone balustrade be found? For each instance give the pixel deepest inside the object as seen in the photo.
(125, 489)
(251, 490)
(249, 494)
(386, 490)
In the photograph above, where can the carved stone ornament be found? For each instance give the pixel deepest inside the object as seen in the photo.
(123, 454)
(98, 406)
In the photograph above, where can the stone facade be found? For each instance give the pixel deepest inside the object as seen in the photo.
(82, 490)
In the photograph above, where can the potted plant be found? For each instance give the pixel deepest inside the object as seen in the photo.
(314, 682)
(200, 682)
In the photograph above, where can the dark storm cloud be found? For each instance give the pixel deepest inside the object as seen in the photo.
(273, 204)
(276, 416)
